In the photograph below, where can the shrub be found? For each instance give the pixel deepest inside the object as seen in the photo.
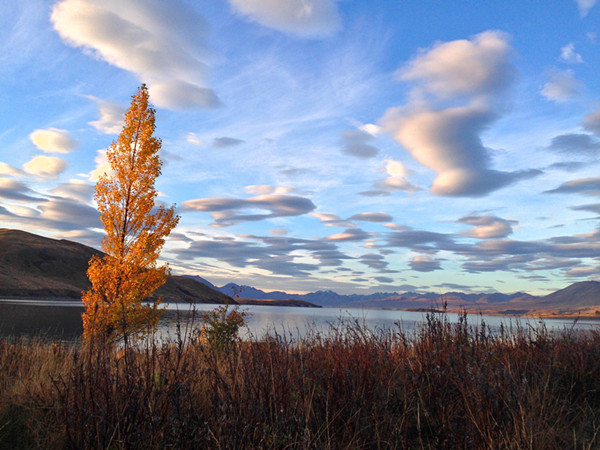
(221, 326)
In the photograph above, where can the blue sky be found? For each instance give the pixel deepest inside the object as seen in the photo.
(319, 144)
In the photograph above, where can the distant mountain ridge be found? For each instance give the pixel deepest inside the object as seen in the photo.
(578, 298)
(331, 298)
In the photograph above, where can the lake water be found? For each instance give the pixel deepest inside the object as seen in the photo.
(61, 320)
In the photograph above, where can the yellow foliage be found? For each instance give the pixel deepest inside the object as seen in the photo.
(135, 232)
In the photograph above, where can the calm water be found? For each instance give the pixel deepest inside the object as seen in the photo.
(62, 319)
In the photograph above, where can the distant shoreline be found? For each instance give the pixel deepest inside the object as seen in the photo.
(241, 301)
(521, 313)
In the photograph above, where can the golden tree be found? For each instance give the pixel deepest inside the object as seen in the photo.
(135, 233)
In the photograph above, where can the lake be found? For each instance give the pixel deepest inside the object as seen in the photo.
(61, 320)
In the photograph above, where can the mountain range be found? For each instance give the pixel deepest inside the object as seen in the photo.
(33, 266)
(582, 298)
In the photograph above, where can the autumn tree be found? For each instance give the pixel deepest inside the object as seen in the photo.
(135, 233)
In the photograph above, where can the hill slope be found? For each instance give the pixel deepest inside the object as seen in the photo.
(33, 266)
(584, 293)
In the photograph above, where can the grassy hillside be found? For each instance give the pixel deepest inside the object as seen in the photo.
(33, 266)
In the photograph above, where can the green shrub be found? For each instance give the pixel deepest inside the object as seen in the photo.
(221, 326)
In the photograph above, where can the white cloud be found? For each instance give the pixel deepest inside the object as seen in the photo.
(584, 271)
(175, 94)
(305, 18)
(6, 169)
(370, 128)
(486, 227)
(265, 189)
(163, 43)
(479, 66)
(23, 211)
(448, 140)
(111, 117)
(397, 181)
(223, 210)
(424, 263)
(350, 235)
(569, 55)
(396, 169)
(193, 139)
(15, 190)
(67, 214)
(85, 236)
(75, 190)
(561, 87)
(49, 166)
(331, 220)
(102, 166)
(53, 140)
(585, 6)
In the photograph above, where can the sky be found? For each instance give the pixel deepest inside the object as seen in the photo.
(354, 146)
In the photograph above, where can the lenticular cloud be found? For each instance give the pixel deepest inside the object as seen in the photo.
(446, 139)
(141, 37)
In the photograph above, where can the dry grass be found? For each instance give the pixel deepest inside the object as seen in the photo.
(443, 386)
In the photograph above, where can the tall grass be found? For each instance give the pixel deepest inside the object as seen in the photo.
(443, 386)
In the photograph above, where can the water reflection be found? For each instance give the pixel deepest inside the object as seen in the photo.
(62, 319)
(28, 319)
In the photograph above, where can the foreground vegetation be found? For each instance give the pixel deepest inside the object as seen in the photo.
(443, 386)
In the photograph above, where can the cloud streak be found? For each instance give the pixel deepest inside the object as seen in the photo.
(582, 144)
(163, 44)
(15, 190)
(7, 169)
(589, 186)
(224, 210)
(372, 217)
(276, 254)
(224, 142)
(304, 18)
(424, 263)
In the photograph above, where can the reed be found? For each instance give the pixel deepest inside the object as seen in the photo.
(444, 385)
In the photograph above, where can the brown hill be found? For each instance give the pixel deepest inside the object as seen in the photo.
(584, 293)
(33, 266)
